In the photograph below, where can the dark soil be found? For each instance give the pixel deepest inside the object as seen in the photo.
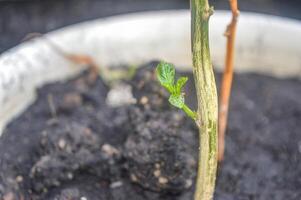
(71, 145)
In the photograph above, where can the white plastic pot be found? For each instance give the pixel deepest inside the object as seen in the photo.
(265, 44)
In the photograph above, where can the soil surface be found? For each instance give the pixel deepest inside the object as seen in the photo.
(70, 144)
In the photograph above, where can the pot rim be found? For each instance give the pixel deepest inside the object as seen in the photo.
(265, 44)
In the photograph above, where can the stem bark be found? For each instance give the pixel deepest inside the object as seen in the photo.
(207, 112)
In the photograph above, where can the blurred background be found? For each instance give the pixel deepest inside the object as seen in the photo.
(18, 18)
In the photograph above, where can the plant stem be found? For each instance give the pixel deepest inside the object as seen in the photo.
(227, 80)
(189, 112)
(207, 113)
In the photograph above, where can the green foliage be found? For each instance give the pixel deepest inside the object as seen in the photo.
(180, 84)
(177, 100)
(166, 76)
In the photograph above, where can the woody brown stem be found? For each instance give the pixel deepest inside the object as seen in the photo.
(227, 79)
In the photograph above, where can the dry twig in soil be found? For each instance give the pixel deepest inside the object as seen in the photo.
(227, 79)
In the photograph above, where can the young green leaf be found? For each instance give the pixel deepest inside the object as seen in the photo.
(180, 83)
(177, 100)
(166, 75)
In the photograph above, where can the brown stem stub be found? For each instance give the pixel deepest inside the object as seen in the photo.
(227, 32)
(235, 14)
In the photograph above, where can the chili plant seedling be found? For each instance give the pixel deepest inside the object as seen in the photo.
(206, 116)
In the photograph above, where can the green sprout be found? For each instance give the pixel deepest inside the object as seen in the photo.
(166, 76)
